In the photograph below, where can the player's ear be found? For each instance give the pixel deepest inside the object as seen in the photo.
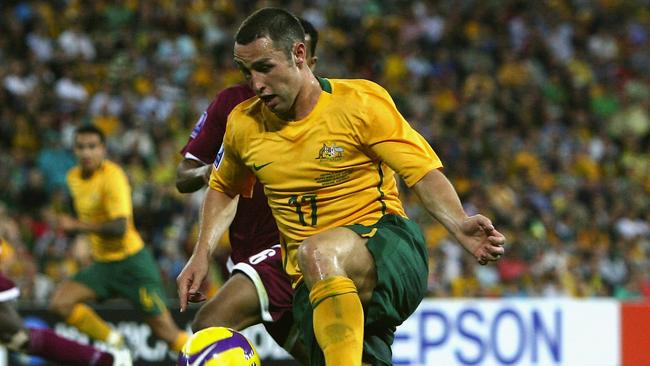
(299, 53)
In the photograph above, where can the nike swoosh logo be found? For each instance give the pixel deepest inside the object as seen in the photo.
(199, 360)
(258, 167)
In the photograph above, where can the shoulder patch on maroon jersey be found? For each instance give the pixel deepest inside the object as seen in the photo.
(199, 124)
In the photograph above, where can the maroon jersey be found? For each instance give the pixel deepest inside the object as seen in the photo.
(253, 228)
(8, 291)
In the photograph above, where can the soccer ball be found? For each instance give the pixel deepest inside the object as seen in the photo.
(218, 346)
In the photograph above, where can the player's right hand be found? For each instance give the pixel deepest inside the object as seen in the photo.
(67, 222)
(190, 279)
(479, 237)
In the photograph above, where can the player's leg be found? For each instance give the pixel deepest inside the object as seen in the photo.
(11, 325)
(70, 297)
(338, 268)
(137, 278)
(398, 251)
(235, 306)
(10, 322)
(286, 333)
(165, 328)
(46, 343)
(274, 294)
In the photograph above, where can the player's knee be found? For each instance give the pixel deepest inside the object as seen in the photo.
(308, 252)
(60, 306)
(318, 261)
(16, 340)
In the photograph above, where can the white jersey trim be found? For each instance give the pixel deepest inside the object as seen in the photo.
(249, 271)
(10, 294)
(192, 157)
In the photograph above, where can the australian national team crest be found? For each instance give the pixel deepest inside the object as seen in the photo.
(330, 152)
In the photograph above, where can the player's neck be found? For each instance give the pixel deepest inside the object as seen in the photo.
(306, 99)
(89, 172)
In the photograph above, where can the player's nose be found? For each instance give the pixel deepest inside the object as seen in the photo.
(257, 83)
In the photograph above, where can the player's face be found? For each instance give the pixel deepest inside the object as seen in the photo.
(90, 151)
(274, 77)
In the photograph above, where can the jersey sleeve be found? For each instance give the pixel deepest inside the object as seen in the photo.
(117, 196)
(230, 175)
(207, 135)
(392, 139)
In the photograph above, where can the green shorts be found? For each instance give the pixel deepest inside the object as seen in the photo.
(135, 278)
(401, 259)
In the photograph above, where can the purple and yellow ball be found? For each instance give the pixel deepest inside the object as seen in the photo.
(218, 346)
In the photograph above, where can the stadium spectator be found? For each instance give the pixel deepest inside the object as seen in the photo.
(569, 118)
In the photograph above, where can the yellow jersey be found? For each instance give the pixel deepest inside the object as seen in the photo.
(105, 196)
(333, 168)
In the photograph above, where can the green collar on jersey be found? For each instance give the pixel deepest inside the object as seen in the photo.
(325, 84)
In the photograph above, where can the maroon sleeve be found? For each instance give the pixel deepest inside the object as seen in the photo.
(207, 134)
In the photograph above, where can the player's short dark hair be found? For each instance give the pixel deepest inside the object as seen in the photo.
(313, 34)
(91, 129)
(279, 25)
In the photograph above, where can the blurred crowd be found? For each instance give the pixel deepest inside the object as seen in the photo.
(539, 110)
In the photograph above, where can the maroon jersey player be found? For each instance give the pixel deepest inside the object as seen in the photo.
(258, 290)
(43, 342)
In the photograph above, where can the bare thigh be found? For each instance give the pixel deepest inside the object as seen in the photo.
(67, 295)
(163, 326)
(235, 306)
(10, 321)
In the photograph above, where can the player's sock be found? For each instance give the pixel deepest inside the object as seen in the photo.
(178, 344)
(48, 344)
(87, 321)
(338, 320)
(115, 339)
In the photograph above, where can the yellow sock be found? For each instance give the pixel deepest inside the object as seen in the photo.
(338, 320)
(87, 321)
(178, 344)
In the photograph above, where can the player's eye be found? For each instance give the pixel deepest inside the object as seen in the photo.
(264, 68)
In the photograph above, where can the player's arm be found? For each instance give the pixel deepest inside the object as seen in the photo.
(395, 142)
(193, 172)
(113, 228)
(192, 175)
(217, 213)
(228, 180)
(476, 233)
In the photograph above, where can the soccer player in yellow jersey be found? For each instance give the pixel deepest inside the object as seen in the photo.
(122, 265)
(326, 152)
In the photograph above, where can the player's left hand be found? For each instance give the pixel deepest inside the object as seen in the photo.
(479, 237)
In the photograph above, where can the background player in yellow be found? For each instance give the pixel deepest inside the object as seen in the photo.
(326, 152)
(122, 266)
